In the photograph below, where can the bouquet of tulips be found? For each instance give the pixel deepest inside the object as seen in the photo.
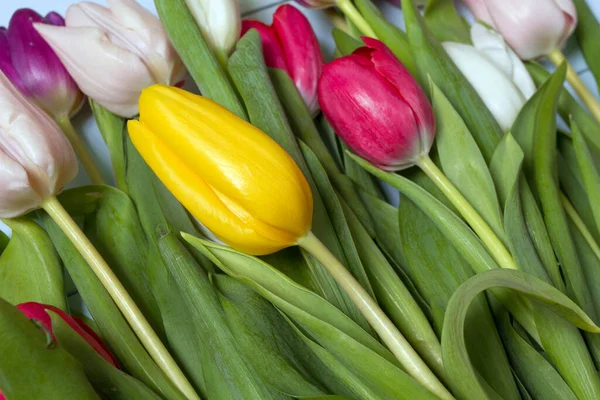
(244, 244)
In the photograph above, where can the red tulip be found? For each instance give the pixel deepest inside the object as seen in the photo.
(290, 44)
(377, 107)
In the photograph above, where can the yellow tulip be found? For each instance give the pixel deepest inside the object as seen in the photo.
(229, 175)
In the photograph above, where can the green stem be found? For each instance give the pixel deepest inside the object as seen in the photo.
(121, 297)
(222, 57)
(355, 16)
(578, 222)
(81, 150)
(399, 346)
(557, 58)
(481, 228)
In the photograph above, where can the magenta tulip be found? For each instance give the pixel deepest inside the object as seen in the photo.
(290, 44)
(377, 107)
(33, 67)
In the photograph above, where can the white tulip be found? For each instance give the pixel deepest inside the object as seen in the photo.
(495, 72)
(220, 22)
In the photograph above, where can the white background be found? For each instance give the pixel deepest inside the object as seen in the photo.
(251, 9)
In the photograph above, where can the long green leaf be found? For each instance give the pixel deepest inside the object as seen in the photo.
(587, 33)
(445, 23)
(30, 269)
(106, 379)
(201, 63)
(432, 61)
(31, 367)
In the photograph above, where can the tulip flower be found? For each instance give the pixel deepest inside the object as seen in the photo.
(31, 65)
(533, 28)
(242, 186)
(39, 313)
(348, 8)
(495, 71)
(290, 44)
(377, 108)
(220, 23)
(231, 176)
(36, 162)
(36, 159)
(114, 53)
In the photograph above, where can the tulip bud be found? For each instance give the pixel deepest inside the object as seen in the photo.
(377, 107)
(219, 22)
(114, 53)
(495, 72)
(290, 44)
(317, 3)
(38, 312)
(237, 181)
(533, 28)
(31, 65)
(36, 159)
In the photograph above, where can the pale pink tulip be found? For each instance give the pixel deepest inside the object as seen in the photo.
(114, 53)
(533, 28)
(36, 159)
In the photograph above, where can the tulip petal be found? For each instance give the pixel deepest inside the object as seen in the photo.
(112, 76)
(197, 196)
(54, 18)
(479, 10)
(302, 52)
(219, 22)
(272, 49)
(368, 113)
(17, 196)
(6, 64)
(495, 88)
(232, 156)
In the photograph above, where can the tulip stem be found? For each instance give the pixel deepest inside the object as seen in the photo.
(120, 296)
(81, 150)
(356, 17)
(557, 58)
(483, 230)
(580, 225)
(385, 328)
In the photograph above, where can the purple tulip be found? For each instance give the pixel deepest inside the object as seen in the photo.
(33, 67)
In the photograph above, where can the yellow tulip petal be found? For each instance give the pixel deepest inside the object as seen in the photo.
(231, 155)
(250, 236)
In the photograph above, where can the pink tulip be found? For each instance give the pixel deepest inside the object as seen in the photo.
(290, 44)
(377, 107)
(31, 65)
(36, 159)
(114, 53)
(533, 28)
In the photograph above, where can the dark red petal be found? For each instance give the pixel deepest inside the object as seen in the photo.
(272, 51)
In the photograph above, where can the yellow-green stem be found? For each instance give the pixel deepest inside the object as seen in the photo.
(580, 225)
(385, 328)
(557, 58)
(337, 20)
(356, 17)
(481, 228)
(121, 297)
(81, 150)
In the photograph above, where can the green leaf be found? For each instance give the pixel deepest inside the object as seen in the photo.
(445, 23)
(345, 43)
(535, 372)
(3, 242)
(466, 382)
(110, 382)
(587, 33)
(201, 63)
(395, 299)
(33, 368)
(304, 127)
(30, 269)
(268, 343)
(111, 127)
(250, 75)
(463, 163)
(589, 172)
(432, 60)
(393, 37)
(112, 325)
